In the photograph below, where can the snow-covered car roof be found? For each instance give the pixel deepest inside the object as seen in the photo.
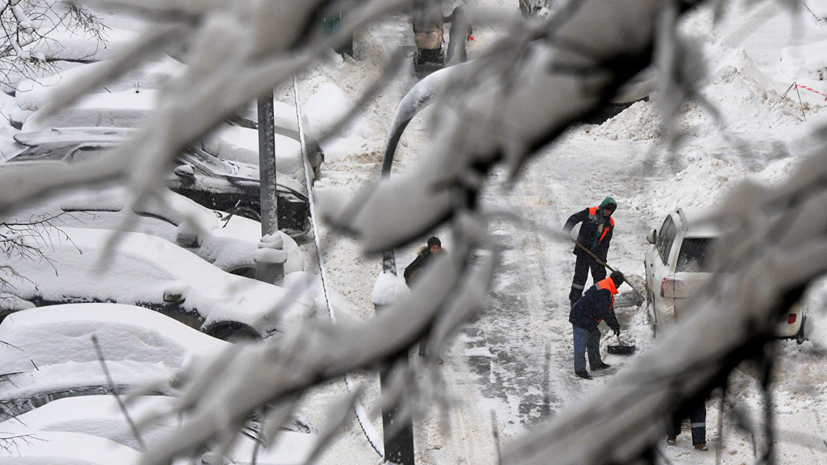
(228, 242)
(101, 416)
(129, 109)
(149, 271)
(62, 333)
(23, 391)
(697, 223)
(207, 179)
(59, 448)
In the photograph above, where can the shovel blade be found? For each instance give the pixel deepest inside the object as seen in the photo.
(621, 350)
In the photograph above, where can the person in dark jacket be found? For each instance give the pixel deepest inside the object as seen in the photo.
(596, 305)
(412, 273)
(595, 235)
(416, 266)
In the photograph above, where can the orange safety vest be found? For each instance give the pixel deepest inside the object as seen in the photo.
(593, 212)
(610, 285)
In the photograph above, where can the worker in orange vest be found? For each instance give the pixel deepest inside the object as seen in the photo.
(595, 306)
(596, 235)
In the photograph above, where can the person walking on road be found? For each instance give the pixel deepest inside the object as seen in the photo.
(412, 272)
(697, 424)
(596, 305)
(595, 235)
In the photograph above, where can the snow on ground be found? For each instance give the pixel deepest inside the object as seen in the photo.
(622, 158)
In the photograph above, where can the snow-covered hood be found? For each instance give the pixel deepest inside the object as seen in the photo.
(149, 271)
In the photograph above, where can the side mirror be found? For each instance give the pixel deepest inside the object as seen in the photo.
(652, 237)
(184, 171)
(175, 294)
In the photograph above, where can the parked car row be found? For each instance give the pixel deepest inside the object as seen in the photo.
(56, 400)
(229, 242)
(106, 296)
(84, 265)
(215, 183)
(678, 264)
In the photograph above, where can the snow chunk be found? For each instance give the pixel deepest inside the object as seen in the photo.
(271, 241)
(270, 256)
(388, 289)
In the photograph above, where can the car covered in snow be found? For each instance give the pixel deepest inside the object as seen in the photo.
(101, 416)
(678, 264)
(53, 448)
(57, 334)
(48, 352)
(230, 242)
(211, 181)
(91, 265)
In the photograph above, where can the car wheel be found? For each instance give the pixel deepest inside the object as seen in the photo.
(245, 272)
(653, 316)
(248, 212)
(799, 337)
(233, 332)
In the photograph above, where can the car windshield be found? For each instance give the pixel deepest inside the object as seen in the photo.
(694, 254)
(44, 153)
(208, 162)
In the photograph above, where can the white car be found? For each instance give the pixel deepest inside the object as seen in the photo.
(228, 242)
(678, 264)
(90, 265)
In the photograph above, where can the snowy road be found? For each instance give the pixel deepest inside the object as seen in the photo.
(528, 310)
(500, 363)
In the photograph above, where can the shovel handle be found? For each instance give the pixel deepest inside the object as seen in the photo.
(594, 256)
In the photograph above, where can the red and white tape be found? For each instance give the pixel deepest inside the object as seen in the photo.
(799, 86)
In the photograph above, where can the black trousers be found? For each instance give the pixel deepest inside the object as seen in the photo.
(582, 266)
(697, 423)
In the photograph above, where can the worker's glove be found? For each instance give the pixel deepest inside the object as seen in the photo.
(617, 332)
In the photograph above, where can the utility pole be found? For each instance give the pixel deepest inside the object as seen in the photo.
(266, 271)
(399, 441)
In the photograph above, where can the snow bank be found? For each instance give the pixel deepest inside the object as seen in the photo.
(323, 110)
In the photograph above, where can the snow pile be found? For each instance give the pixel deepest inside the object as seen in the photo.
(702, 183)
(640, 121)
(389, 288)
(326, 107)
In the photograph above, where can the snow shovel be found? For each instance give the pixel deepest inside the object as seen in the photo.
(634, 281)
(620, 348)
